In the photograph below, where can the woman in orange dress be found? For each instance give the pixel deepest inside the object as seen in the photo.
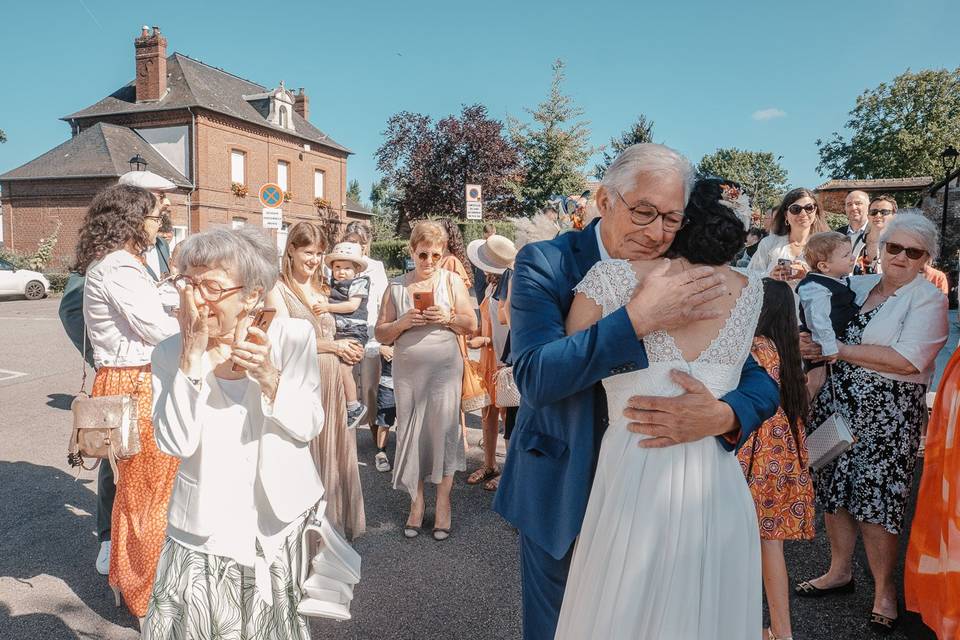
(932, 574)
(774, 458)
(125, 320)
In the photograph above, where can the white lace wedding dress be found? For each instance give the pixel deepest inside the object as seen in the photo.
(669, 548)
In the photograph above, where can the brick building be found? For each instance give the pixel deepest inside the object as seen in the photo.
(932, 204)
(218, 137)
(833, 192)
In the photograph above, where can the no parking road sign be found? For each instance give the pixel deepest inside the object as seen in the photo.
(271, 195)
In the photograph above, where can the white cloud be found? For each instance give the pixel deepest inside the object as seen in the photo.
(769, 114)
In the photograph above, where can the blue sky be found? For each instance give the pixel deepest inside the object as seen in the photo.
(704, 72)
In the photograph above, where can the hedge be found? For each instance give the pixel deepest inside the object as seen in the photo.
(391, 253)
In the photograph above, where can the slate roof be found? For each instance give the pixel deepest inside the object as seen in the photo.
(355, 207)
(191, 83)
(101, 151)
(881, 184)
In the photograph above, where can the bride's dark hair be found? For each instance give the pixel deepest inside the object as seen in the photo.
(712, 233)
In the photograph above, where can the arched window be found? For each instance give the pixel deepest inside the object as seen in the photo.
(283, 117)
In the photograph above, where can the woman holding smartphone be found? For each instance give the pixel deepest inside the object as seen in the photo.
(423, 314)
(780, 255)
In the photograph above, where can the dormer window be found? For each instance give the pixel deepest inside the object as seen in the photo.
(276, 106)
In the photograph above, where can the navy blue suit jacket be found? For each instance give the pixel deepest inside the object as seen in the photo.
(553, 452)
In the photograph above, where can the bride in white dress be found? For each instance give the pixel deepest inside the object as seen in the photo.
(669, 547)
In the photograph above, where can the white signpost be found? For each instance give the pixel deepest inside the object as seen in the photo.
(474, 199)
(272, 218)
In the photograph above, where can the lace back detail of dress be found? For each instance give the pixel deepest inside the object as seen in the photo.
(609, 283)
(733, 341)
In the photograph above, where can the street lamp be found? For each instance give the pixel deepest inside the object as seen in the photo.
(137, 163)
(949, 160)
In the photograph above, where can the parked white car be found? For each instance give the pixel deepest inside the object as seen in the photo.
(31, 284)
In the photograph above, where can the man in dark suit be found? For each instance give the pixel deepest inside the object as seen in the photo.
(563, 414)
(856, 205)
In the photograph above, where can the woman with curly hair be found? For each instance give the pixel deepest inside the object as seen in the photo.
(125, 320)
(455, 254)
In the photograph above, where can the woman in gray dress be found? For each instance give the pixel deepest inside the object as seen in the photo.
(427, 374)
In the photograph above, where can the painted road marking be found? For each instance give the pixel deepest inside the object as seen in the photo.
(6, 374)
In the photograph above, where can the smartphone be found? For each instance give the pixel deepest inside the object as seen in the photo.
(786, 263)
(422, 300)
(261, 321)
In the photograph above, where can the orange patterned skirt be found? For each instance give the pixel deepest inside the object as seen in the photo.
(143, 491)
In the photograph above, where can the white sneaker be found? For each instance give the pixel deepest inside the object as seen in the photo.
(103, 558)
(382, 462)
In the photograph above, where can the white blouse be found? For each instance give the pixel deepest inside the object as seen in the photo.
(246, 476)
(123, 311)
(913, 322)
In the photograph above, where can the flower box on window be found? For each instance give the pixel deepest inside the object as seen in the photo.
(238, 189)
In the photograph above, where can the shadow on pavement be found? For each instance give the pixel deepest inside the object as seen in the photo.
(48, 528)
(60, 400)
(40, 625)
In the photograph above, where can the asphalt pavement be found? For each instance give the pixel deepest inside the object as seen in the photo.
(465, 587)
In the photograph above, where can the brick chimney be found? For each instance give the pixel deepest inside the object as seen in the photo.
(301, 104)
(151, 54)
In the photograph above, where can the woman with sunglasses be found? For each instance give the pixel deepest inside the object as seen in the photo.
(780, 254)
(423, 315)
(125, 320)
(885, 361)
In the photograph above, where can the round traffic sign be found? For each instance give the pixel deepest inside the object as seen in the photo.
(271, 195)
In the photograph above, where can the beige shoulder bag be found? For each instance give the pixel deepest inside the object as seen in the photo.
(104, 427)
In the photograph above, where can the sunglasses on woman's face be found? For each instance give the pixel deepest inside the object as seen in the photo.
(797, 209)
(913, 253)
(424, 256)
(880, 212)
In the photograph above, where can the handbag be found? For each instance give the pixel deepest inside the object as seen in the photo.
(473, 391)
(327, 580)
(832, 437)
(507, 393)
(104, 427)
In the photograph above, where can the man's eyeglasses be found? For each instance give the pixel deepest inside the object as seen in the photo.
(155, 218)
(433, 257)
(913, 253)
(672, 220)
(797, 209)
(880, 212)
(210, 290)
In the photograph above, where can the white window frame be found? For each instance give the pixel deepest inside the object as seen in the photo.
(238, 166)
(237, 222)
(322, 183)
(179, 234)
(283, 175)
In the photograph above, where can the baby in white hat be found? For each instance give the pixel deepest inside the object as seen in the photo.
(348, 304)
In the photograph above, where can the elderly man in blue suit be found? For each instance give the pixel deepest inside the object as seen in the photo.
(563, 414)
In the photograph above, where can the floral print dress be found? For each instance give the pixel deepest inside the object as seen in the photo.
(775, 465)
(872, 479)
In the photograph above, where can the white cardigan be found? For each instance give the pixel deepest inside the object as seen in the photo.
(771, 249)
(913, 322)
(211, 435)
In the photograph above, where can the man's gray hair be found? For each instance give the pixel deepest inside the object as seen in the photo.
(919, 226)
(648, 157)
(249, 253)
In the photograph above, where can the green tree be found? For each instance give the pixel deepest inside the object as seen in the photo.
(897, 130)
(553, 148)
(382, 203)
(760, 174)
(641, 131)
(353, 191)
(3, 136)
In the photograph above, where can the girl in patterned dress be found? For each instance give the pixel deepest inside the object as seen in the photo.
(774, 458)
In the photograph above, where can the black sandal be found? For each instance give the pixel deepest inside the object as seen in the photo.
(806, 589)
(883, 625)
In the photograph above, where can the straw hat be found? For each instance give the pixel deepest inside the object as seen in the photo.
(347, 251)
(492, 255)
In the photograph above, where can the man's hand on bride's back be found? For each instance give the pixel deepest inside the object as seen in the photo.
(665, 301)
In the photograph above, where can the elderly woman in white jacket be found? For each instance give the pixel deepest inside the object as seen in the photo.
(247, 483)
(886, 359)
